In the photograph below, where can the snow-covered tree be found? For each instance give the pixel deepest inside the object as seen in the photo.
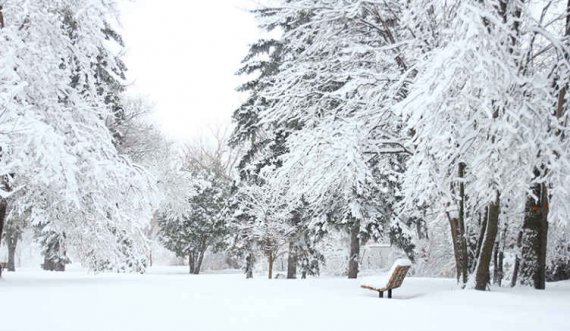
(260, 148)
(484, 87)
(195, 221)
(346, 152)
(58, 157)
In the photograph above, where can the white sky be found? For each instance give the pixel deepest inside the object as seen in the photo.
(182, 55)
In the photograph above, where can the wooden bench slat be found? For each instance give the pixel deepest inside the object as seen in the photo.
(396, 280)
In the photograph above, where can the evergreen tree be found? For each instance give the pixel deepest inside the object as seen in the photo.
(199, 222)
(261, 149)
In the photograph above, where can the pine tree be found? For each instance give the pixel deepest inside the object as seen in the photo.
(198, 223)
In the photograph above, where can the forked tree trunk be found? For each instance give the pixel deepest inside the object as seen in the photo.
(482, 275)
(198, 265)
(292, 261)
(354, 250)
(482, 229)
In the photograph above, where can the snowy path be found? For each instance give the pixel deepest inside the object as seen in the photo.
(168, 299)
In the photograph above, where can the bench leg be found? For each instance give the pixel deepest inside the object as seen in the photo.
(380, 294)
(389, 294)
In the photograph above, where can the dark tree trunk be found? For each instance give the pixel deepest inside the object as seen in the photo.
(270, 260)
(499, 259)
(249, 262)
(497, 265)
(453, 226)
(292, 261)
(3, 209)
(517, 265)
(482, 275)
(354, 250)
(460, 250)
(198, 265)
(462, 237)
(191, 263)
(481, 234)
(12, 242)
(534, 239)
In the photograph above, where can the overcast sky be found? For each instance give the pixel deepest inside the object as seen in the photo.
(182, 55)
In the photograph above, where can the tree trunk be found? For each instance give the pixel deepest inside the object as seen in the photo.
(270, 259)
(292, 261)
(453, 226)
(497, 265)
(457, 226)
(191, 263)
(517, 265)
(462, 237)
(534, 239)
(482, 234)
(198, 265)
(3, 209)
(354, 250)
(482, 276)
(499, 272)
(249, 261)
(12, 242)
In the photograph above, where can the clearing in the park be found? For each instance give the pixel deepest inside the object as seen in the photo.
(169, 299)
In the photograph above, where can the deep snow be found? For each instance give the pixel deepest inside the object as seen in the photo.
(170, 299)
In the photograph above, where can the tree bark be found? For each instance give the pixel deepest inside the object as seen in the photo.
(481, 234)
(292, 261)
(457, 226)
(271, 260)
(249, 261)
(12, 242)
(191, 263)
(354, 250)
(482, 276)
(461, 228)
(497, 265)
(453, 226)
(534, 239)
(517, 265)
(3, 209)
(198, 265)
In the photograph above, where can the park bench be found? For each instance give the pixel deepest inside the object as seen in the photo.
(397, 274)
(3, 265)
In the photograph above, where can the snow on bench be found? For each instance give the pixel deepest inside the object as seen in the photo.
(397, 274)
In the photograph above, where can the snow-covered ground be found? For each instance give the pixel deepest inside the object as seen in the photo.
(169, 299)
